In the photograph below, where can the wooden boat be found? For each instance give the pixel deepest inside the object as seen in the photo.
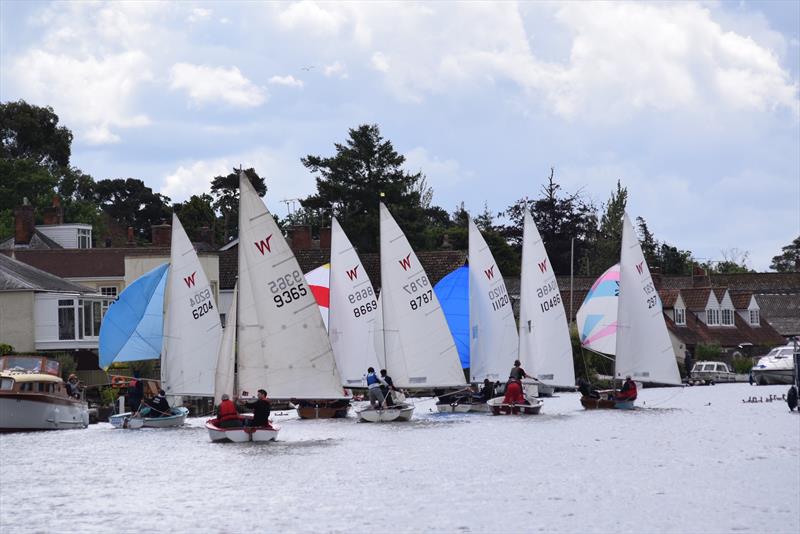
(325, 409)
(241, 434)
(176, 418)
(34, 397)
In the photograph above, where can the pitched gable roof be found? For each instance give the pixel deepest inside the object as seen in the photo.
(18, 276)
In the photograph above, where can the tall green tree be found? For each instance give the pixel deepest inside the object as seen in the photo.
(609, 236)
(131, 203)
(195, 213)
(225, 192)
(648, 243)
(559, 217)
(32, 133)
(788, 261)
(365, 170)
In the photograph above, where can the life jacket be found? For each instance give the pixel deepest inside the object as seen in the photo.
(373, 381)
(227, 410)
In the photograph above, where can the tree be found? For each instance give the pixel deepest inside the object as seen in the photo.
(225, 192)
(131, 203)
(559, 218)
(32, 133)
(733, 261)
(648, 243)
(196, 213)
(674, 261)
(609, 238)
(366, 170)
(789, 259)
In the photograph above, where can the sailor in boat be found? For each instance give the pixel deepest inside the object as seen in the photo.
(586, 389)
(73, 387)
(487, 391)
(628, 391)
(159, 407)
(227, 414)
(261, 409)
(374, 383)
(135, 392)
(387, 388)
(514, 387)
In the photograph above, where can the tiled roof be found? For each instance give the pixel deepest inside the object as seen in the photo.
(741, 299)
(39, 241)
(437, 264)
(697, 298)
(696, 332)
(782, 311)
(18, 276)
(668, 297)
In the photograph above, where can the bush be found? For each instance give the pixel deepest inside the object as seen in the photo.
(742, 365)
(711, 352)
(67, 364)
(108, 396)
(5, 348)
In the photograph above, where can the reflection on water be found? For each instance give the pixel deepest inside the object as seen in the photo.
(438, 472)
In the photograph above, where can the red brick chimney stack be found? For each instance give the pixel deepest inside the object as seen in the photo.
(55, 213)
(206, 235)
(24, 223)
(325, 238)
(162, 235)
(131, 242)
(299, 237)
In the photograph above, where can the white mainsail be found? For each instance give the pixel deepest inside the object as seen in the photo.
(192, 329)
(352, 312)
(494, 340)
(545, 349)
(644, 349)
(283, 345)
(419, 349)
(224, 377)
(597, 316)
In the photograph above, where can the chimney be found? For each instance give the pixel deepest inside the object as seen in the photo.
(131, 242)
(299, 237)
(23, 223)
(162, 235)
(325, 238)
(206, 236)
(700, 278)
(55, 213)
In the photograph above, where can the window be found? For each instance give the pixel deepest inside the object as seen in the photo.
(727, 317)
(6, 383)
(84, 238)
(679, 314)
(66, 319)
(92, 313)
(754, 318)
(109, 291)
(712, 316)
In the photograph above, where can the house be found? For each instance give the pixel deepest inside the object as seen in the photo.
(43, 312)
(52, 234)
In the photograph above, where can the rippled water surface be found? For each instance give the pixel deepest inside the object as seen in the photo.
(693, 459)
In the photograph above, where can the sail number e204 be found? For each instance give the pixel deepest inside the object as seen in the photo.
(287, 288)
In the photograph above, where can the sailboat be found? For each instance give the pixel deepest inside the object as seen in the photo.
(281, 342)
(494, 340)
(188, 341)
(597, 316)
(643, 347)
(413, 340)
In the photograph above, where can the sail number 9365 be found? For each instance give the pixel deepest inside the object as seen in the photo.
(287, 288)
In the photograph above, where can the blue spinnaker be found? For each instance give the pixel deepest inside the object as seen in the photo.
(453, 294)
(133, 327)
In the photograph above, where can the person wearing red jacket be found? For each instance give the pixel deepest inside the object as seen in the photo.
(227, 414)
(628, 391)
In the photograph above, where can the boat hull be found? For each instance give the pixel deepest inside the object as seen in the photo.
(769, 377)
(498, 407)
(21, 412)
(323, 409)
(402, 412)
(177, 418)
(592, 403)
(545, 390)
(240, 434)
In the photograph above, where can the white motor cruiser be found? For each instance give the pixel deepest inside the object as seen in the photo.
(777, 367)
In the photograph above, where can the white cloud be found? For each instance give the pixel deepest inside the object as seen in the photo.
(288, 81)
(199, 14)
(439, 172)
(337, 69)
(213, 84)
(380, 62)
(321, 20)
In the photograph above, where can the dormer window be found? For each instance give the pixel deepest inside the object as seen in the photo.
(84, 238)
(727, 317)
(679, 315)
(712, 316)
(755, 319)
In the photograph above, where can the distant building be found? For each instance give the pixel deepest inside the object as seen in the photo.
(53, 234)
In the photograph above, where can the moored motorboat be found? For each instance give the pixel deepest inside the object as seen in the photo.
(34, 397)
(240, 433)
(176, 418)
(777, 367)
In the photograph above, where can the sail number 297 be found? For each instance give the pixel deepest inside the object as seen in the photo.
(650, 293)
(287, 288)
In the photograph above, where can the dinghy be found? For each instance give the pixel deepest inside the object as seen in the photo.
(494, 340)
(413, 339)
(280, 343)
(188, 341)
(643, 347)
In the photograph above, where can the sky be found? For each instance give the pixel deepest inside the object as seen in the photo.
(693, 106)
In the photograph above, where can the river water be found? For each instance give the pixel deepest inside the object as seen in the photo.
(692, 459)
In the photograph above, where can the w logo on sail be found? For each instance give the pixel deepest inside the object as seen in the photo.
(352, 274)
(543, 265)
(264, 245)
(405, 263)
(190, 279)
(489, 272)
(640, 267)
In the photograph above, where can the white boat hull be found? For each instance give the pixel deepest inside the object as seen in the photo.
(42, 414)
(401, 412)
(240, 434)
(498, 407)
(177, 418)
(768, 377)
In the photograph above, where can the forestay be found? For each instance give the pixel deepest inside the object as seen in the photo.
(597, 316)
(132, 328)
(545, 349)
(419, 350)
(644, 349)
(224, 375)
(283, 345)
(494, 340)
(353, 311)
(192, 327)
